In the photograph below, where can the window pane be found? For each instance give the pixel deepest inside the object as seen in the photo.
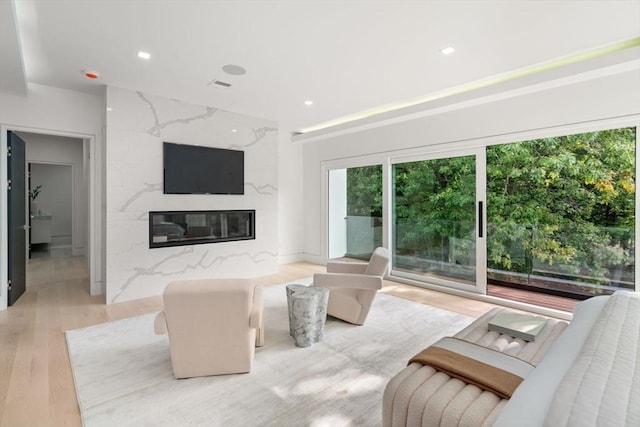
(364, 211)
(561, 212)
(434, 218)
(355, 211)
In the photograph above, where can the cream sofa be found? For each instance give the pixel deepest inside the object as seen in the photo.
(587, 374)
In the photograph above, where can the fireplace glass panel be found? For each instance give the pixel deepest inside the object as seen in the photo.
(177, 228)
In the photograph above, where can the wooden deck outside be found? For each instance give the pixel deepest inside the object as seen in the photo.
(520, 295)
(532, 297)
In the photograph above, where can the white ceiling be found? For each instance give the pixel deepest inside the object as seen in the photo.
(346, 56)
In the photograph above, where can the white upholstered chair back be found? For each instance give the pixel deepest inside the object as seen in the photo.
(353, 285)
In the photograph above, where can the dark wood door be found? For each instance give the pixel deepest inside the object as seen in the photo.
(17, 218)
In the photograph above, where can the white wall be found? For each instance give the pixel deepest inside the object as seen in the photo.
(337, 213)
(135, 130)
(58, 112)
(290, 212)
(55, 197)
(499, 117)
(49, 150)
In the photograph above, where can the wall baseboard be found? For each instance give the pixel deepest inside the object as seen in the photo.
(78, 251)
(314, 259)
(300, 257)
(288, 259)
(97, 288)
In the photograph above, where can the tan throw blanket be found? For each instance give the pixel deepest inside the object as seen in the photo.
(485, 368)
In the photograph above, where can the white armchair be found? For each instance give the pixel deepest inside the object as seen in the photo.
(214, 325)
(353, 285)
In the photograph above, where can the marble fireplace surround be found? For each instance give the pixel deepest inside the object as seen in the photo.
(180, 228)
(136, 128)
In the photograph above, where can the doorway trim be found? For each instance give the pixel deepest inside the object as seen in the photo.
(89, 141)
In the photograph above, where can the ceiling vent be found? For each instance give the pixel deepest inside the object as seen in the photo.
(219, 84)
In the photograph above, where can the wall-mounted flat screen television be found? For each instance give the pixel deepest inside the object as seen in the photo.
(193, 169)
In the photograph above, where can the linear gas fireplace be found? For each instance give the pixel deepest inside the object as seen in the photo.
(177, 228)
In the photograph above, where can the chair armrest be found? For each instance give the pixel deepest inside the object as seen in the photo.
(346, 267)
(256, 318)
(160, 324)
(346, 280)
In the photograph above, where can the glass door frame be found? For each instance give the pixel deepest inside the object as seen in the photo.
(348, 163)
(480, 286)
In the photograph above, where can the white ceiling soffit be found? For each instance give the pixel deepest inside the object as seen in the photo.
(607, 60)
(346, 56)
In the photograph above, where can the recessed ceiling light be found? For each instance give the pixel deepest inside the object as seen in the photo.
(144, 55)
(109, 109)
(234, 130)
(234, 70)
(308, 102)
(447, 50)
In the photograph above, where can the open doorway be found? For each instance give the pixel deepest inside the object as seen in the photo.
(58, 179)
(70, 149)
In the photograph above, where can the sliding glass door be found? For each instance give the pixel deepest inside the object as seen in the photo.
(561, 213)
(437, 219)
(554, 214)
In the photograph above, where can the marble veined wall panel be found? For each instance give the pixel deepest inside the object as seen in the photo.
(136, 127)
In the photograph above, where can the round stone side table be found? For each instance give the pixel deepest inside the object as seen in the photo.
(307, 313)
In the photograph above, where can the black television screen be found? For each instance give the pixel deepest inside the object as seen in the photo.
(193, 169)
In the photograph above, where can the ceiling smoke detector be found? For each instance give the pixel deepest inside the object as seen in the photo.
(219, 84)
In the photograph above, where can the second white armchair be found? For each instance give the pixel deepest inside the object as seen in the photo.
(353, 285)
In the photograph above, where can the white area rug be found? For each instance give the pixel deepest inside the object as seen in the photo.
(123, 371)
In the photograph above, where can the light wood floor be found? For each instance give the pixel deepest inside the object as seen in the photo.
(36, 384)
